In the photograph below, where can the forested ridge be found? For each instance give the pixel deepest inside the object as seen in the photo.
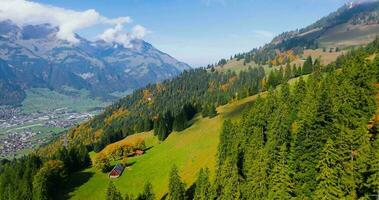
(316, 139)
(307, 141)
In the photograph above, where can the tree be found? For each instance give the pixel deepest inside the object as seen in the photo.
(180, 122)
(308, 66)
(148, 193)
(212, 111)
(49, 179)
(203, 190)
(329, 174)
(176, 188)
(373, 180)
(281, 186)
(288, 74)
(113, 193)
(102, 163)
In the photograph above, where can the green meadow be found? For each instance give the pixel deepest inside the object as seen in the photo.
(190, 150)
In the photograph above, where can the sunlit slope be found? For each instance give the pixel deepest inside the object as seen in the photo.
(191, 150)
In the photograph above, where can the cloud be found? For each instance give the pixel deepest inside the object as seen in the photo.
(139, 31)
(264, 33)
(118, 35)
(23, 12)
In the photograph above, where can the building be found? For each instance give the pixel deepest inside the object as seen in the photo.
(138, 152)
(116, 171)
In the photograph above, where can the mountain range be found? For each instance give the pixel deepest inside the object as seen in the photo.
(32, 56)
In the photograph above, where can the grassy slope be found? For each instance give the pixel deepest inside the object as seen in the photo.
(347, 35)
(190, 150)
(38, 99)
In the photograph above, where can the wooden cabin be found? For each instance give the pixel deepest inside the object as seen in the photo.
(116, 171)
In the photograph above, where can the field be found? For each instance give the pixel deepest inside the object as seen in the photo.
(190, 150)
(38, 99)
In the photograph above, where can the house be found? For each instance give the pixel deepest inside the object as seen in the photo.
(138, 152)
(116, 171)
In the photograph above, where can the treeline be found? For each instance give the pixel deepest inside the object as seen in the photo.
(168, 106)
(35, 177)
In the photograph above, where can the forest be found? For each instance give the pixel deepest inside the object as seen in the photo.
(314, 140)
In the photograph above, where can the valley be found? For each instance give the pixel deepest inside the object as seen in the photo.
(42, 117)
(106, 115)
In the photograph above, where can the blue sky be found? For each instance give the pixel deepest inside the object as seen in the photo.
(203, 31)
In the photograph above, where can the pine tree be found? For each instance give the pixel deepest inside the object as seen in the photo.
(288, 74)
(329, 167)
(203, 190)
(180, 122)
(228, 181)
(113, 193)
(374, 168)
(148, 193)
(308, 66)
(212, 111)
(281, 186)
(176, 188)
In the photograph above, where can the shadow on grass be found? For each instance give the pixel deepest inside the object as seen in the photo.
(238, 110)
(76, 180)
(129, 164)
(190, 192)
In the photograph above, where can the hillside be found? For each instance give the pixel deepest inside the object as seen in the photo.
(191, 150)
(264, 131)
(352, 25)
(196, 147)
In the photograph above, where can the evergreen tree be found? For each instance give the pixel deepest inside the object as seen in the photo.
(281, 186)
(48, 180)
(176, 188)
(329, 167)
(308, 65)
(203, 190)
(180, 122)
(288, 74)
(373, 180)
(148, 193)
(212, 111)
(113, 193)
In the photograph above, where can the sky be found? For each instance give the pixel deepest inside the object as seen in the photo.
(197, 32)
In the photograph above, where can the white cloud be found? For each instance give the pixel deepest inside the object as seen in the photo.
(139, 31)
(23, 12)
(118, 35)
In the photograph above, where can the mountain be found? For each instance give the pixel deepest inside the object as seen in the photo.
(354, 24)
(32, 56)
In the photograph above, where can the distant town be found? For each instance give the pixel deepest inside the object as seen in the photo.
(20, 132)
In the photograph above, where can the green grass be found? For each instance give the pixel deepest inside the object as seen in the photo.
(38, 99)
(191, 150)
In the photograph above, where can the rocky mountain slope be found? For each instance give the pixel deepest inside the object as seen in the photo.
(32, 56)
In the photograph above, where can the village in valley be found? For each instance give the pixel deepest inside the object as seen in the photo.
(20, 132)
